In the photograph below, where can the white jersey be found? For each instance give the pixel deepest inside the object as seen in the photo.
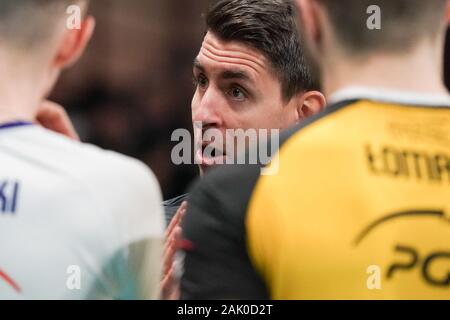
(76, 222)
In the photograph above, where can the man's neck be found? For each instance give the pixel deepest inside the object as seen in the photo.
(12, 109)
(19, 92)
(420, 71)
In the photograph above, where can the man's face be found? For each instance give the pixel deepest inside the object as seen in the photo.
(236, 89)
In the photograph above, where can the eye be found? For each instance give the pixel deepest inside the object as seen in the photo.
(238, 94)
(201, 81)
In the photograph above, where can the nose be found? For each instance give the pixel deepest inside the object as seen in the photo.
(206, 109)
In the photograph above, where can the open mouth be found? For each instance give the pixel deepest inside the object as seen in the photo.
(210, 155)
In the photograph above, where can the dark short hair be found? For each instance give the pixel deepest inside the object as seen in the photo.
(403, 23)
(25, 23)
(269, 26)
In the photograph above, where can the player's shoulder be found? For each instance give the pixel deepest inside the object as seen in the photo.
(320, 121)
(116, 182)
(93, 164)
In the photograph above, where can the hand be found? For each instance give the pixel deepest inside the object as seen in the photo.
(54, 117)
(169, 285)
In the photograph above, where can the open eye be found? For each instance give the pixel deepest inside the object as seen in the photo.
(237, 94)
(201, 81)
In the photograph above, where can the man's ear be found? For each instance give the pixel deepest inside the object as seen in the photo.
(309, 103)
(74, 43)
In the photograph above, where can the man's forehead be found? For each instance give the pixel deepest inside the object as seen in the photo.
(233, 54)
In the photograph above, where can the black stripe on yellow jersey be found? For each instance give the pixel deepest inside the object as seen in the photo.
(359, 209)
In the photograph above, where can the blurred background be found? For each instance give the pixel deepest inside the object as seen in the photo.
(133, 87)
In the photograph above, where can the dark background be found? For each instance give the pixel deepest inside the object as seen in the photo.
(133, 87)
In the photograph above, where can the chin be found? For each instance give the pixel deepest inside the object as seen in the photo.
(205, 168)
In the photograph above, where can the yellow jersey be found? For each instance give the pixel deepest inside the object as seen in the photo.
(359, 209)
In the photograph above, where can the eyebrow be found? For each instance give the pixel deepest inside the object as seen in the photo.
(235, 74)
(227, 74)
(198, 65)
